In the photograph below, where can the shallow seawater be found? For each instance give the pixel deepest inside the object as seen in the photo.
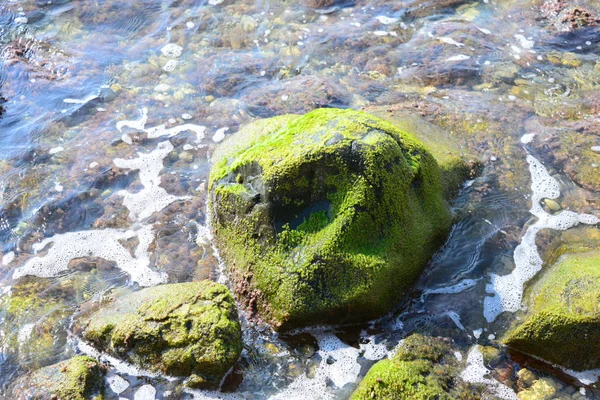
(111, 111)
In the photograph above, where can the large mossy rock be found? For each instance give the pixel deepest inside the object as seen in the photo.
(327, 217)
(422, 368)
(79, 378)
(185, 329)
(564, 322)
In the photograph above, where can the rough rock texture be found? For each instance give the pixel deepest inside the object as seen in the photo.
(564, 325)
(326, 217)
(423, 368)
(78, 378)
(185, 329)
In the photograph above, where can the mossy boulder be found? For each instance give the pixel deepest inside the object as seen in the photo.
(186, 329)
(78, 378)
(564, 322)
(422, 368)
(326, 217)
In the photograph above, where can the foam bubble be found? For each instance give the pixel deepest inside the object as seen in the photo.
(476, 372)
(95, 243)
(507, 290)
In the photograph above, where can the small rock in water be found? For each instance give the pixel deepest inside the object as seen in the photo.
(172, 50)
(552, 205)
(117, 384)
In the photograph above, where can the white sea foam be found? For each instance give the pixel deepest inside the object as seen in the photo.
(507, 290)
(338, 365)
(476, 372)
(95, 243)
(588, 377)
(137, 124)
(152, 198)
(220, 134)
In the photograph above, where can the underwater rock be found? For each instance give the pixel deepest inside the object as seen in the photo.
(564, 323)
(299, 94)
(325, 218)
(423, 368)
(78, 378)
(35, 316)
(184, 329)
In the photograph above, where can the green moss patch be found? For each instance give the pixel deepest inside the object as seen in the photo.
(185, 329)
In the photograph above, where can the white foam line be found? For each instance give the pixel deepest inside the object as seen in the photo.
(138, 124)
(152, 198)
(507, 290)
(95, 243)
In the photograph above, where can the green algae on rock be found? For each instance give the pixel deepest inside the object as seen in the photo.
(186, 329)
(564, 324)
(423, 368)
(326, 217)
(78, 378)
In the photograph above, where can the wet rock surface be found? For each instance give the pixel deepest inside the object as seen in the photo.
(187, 330)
